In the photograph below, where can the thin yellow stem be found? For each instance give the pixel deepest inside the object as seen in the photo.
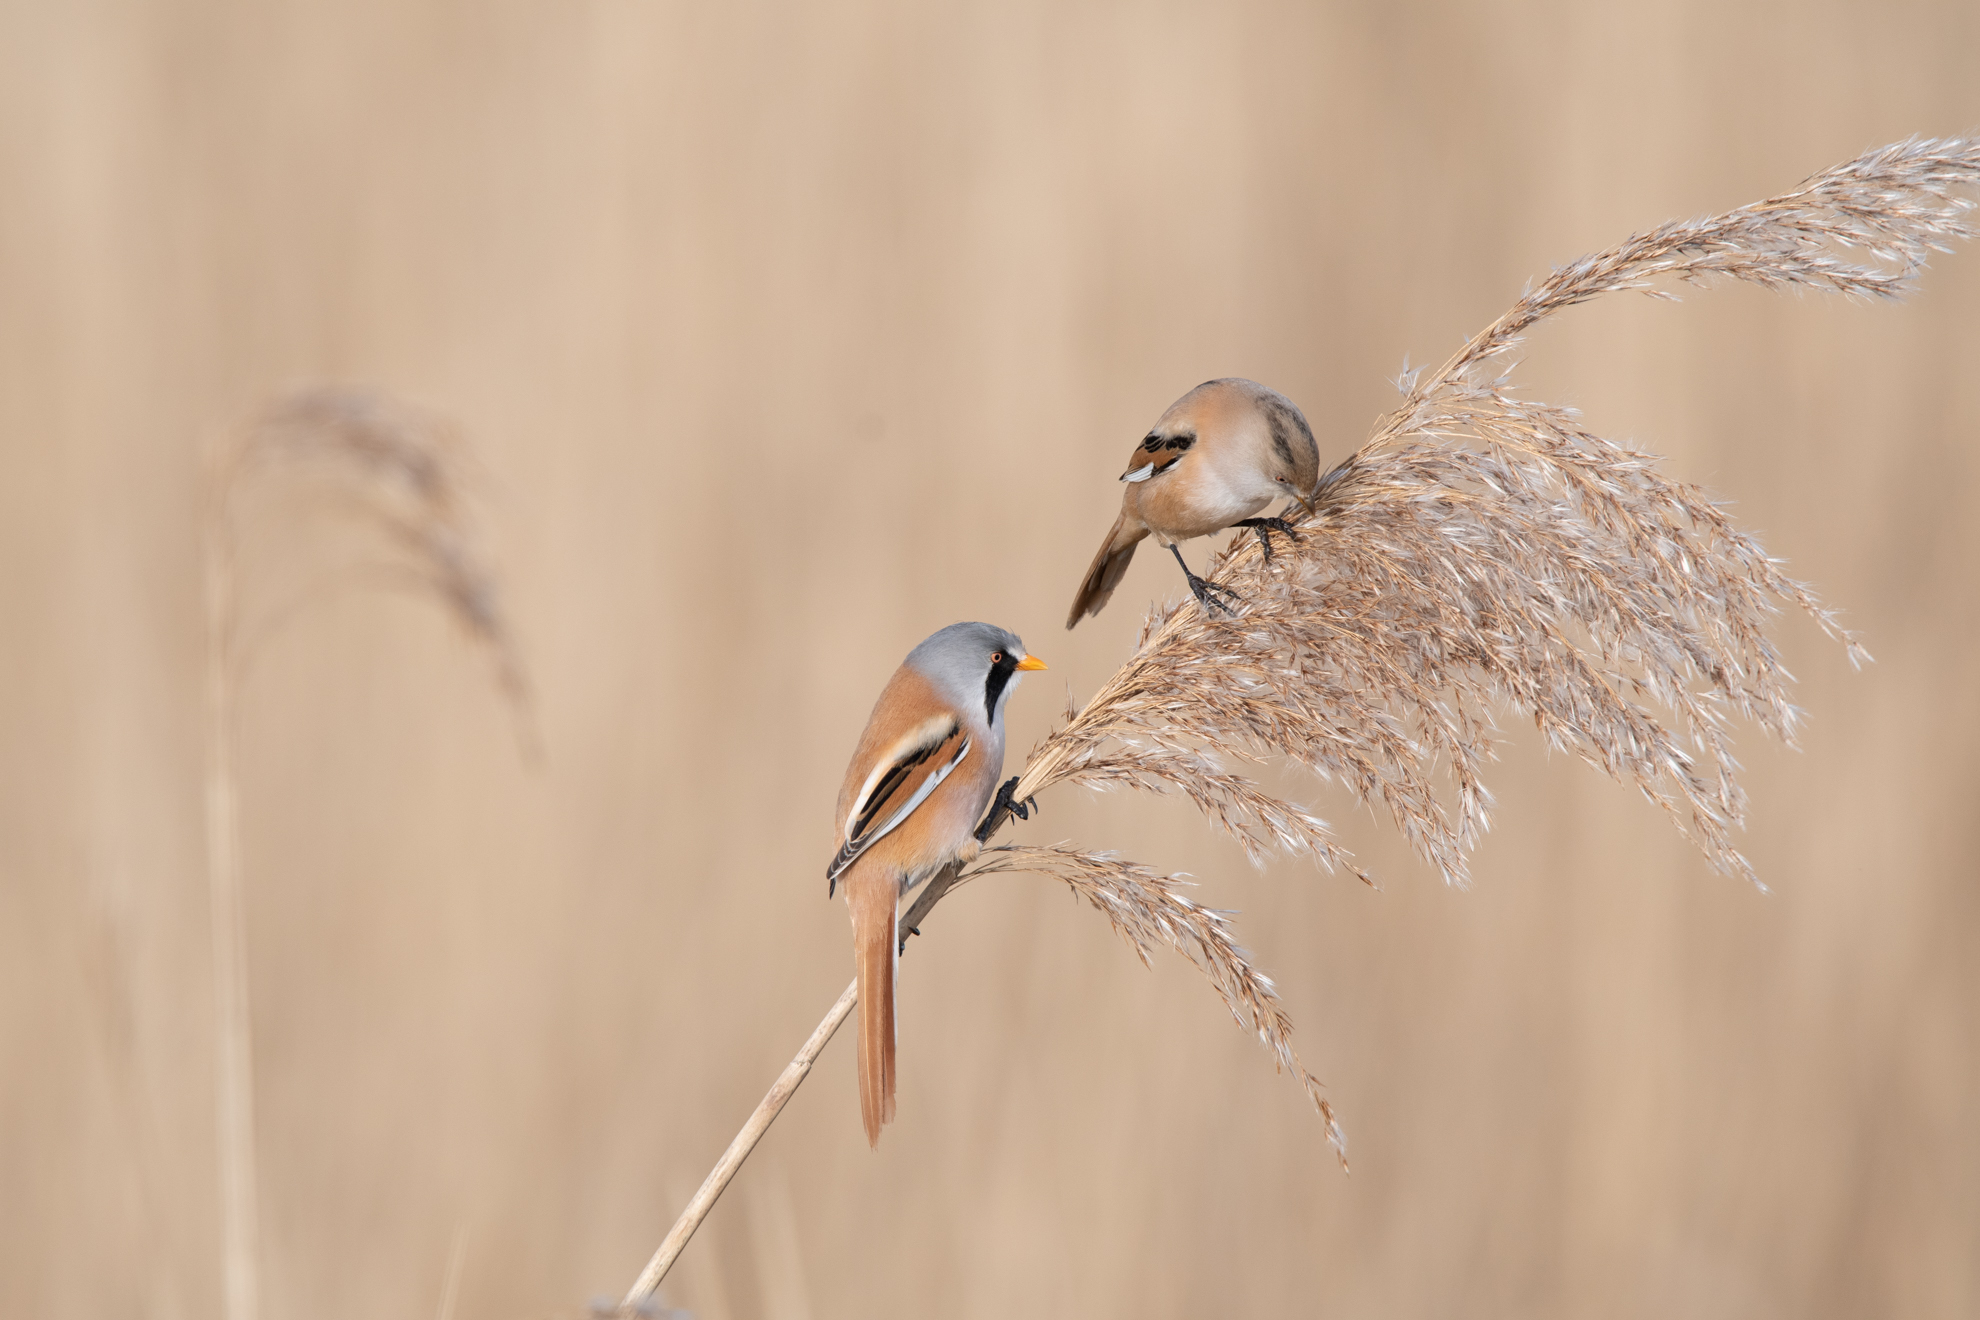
(732, 1159)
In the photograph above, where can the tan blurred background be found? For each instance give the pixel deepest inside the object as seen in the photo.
(786, 334)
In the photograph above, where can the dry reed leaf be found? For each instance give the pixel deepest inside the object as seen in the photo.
(1485, 554)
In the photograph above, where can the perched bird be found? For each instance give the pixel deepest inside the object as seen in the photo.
(925, 770)
(1218, 457)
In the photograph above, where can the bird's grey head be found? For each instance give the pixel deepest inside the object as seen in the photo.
(974, 665)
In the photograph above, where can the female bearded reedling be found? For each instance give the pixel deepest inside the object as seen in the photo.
(925, 770)
(1218, 456)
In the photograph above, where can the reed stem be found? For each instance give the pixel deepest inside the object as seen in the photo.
(725, 1168)
(766, 1112)
(233, 1052)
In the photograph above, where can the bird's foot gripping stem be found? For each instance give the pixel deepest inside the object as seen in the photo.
(1005, 805)
(1264, 527)
(1213, 598)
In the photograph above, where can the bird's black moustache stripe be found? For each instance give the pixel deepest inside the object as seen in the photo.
(993, 686)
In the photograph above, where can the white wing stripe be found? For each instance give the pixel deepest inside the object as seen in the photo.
(928, 785)
(929, 733)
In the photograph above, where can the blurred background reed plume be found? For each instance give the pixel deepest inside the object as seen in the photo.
(390, 491)
(394, 482)
(786, 336)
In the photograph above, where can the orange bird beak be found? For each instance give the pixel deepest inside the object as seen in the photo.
(1031, 662)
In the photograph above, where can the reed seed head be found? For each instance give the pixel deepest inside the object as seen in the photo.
(1484, 556)
(405, 475)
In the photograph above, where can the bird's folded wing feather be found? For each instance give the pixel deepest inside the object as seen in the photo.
(901, 780)
(1156, 455)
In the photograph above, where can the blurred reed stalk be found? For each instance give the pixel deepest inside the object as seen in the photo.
(232, 1038)
(403, 475)
(1480, 554)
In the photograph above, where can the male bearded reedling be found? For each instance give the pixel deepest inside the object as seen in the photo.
(925, 770)
(1218, 456)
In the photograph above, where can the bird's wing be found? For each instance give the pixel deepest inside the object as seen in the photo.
(901, 780)
(1155, 455)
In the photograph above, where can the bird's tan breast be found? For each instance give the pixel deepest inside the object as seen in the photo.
(1197, 497)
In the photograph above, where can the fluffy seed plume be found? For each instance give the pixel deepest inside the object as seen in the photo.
(404, 474)
(401, 474)
(1149, 910)
(1484, 554)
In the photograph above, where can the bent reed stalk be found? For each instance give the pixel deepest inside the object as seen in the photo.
(404, 475)
(1481, 553)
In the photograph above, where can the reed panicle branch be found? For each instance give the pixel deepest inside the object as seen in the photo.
(1150, 910)
(403, 474)
(1482, 554)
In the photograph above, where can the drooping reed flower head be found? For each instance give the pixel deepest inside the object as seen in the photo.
(1481, 557)
(402, 476)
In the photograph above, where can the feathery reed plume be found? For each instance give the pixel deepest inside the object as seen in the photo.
(1484, 552)
(1480, 553)
(407, 475)
(403, 474)
(1149, 909)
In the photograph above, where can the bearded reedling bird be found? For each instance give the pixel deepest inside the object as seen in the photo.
(1216, 459)
(925, 770)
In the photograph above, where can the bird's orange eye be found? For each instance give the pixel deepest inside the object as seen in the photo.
(996, 657)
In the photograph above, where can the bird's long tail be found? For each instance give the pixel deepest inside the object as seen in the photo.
(874, 898)
(1108, 566)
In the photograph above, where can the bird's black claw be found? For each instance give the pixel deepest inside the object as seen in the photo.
(1212, 597)
(1206, 593)
(1264, 527)
(1004, 805)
